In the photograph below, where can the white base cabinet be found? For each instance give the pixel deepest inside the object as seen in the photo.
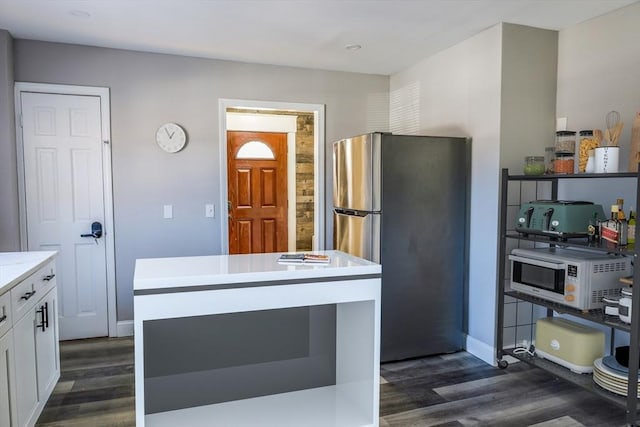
(7, 381)
(29, 349)
(27, 386)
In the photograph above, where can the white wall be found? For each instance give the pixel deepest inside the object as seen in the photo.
(599, 71)
(499, 88)
(9, 219)
(460, 95)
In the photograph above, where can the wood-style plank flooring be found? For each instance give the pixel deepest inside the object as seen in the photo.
(96, 389)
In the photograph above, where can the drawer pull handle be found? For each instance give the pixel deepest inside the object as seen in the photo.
(49, 277)
(28, 295)
(3, 318)
(44, 313)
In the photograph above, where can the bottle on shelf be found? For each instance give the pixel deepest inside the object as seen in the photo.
(623, 232)
(631, 229)
(620, 203)
(622, 225)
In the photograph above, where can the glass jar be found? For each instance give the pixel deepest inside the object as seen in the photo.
(587, 143)
(549, 157)
(534, 165)
(563, 163)
(565, 142)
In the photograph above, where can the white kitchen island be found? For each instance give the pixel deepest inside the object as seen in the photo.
(241, 340)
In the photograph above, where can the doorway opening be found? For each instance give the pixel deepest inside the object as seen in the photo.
(304, 127)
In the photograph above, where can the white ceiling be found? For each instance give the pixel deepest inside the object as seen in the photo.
(394, 34)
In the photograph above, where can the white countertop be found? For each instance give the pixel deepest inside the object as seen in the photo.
(16, 266)
(160, 273)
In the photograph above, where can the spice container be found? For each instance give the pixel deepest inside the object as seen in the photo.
(534, 165)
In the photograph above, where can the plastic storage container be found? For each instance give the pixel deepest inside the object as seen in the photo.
(568, 343)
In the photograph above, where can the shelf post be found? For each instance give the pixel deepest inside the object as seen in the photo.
(634, 342)
(502, 245)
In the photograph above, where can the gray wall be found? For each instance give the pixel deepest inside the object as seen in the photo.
(529, 69)
(499, 88)
(9, 220)
(150, 89)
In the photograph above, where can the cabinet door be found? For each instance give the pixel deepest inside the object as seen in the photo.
(47, 355)
(7, 382)
(25, 363)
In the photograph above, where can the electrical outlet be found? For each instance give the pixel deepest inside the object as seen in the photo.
(209, 211)
(525, 343)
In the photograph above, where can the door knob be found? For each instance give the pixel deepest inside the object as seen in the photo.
(96, 231)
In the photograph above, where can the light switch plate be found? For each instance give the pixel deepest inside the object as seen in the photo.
(209, 211)
(168, 211)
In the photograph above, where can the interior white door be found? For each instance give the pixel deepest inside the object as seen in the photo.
(62, 143)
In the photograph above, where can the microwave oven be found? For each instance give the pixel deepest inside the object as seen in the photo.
(573, 278)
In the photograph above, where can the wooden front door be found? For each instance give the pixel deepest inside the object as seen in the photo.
(257, 188)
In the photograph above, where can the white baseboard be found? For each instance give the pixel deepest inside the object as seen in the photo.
(481, 350)
(124, 328)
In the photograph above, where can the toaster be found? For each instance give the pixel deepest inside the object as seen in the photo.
(557, 218)
(570, 344)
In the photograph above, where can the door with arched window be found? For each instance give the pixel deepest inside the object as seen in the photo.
(257, 189)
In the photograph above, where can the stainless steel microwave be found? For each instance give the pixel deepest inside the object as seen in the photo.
(575, 278)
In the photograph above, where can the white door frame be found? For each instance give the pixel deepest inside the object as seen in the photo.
(103, 94)
(318, 162)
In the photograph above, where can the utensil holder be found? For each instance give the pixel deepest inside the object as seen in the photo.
(607, 159)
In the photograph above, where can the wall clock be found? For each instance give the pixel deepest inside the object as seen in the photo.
(171, 137)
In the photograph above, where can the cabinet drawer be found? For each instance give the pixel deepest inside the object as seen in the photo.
(25, 295)
(6, 318)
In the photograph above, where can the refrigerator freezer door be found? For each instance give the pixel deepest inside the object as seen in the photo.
(357, 235)
(356, 173)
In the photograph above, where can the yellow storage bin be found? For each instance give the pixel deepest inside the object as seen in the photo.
(568, 343)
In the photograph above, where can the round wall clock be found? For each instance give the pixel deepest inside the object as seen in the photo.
(171, 137)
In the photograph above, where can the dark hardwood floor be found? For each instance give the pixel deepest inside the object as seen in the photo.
(96, 388)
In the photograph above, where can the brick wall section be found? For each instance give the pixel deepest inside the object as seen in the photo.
(304, 182)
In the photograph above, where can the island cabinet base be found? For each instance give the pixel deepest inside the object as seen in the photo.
(301, 353)
(317, 407)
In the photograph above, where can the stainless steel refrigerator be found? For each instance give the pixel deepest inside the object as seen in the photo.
(402, 201)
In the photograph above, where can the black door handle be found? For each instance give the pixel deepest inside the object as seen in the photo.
(96, 231)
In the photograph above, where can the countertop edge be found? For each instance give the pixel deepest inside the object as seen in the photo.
(31, 265)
